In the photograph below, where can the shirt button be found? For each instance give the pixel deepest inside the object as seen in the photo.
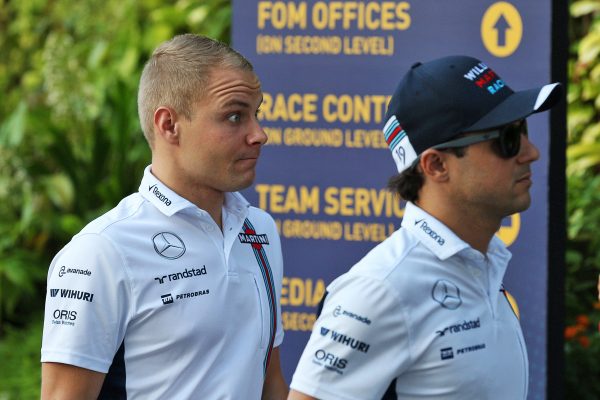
(209, 228)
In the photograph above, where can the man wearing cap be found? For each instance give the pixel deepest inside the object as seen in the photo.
(424, 315)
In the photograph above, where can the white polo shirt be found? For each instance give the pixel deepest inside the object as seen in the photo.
(171, 307)
(425, 311)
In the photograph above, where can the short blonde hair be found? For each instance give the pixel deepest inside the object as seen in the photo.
(177, 73)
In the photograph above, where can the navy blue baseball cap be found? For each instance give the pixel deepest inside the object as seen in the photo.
(440, 99)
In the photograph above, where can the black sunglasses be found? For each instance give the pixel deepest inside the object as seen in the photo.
(507, 139)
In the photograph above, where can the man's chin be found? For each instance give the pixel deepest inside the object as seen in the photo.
(522, 205)
(243, 182)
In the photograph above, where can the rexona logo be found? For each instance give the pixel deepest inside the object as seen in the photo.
(72, 294)
(154, 189)
(430, 232)
(187, 273)
(345, 340)
(64, 271)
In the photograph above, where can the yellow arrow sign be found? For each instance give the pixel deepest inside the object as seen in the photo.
(508, 234)
(501, 29)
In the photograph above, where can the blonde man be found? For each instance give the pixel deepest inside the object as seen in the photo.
(174, 294)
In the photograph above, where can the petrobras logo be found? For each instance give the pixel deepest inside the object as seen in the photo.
(187, 273)
(189, 295)
(338, 311)
(167, 298)
(447, 353)
(345, 340)
(72, 294)
(64, 317)
(164, 199)
(170, 298)
(430, 232)
(330, 361)
(460, 327)
(470, 349)
(65, 271)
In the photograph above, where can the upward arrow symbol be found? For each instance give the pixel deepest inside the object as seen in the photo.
(501, 26)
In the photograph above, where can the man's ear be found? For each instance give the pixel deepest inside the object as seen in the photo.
(434, 165)
(165, 125)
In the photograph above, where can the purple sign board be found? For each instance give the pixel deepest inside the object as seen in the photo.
(328, 69)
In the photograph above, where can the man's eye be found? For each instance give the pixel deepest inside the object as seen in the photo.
(234, 118)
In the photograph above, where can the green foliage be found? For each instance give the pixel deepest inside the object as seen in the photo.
(70, 142)
(20, 374)
(582, 346)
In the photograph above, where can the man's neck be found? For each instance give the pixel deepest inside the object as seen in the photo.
(476, 230)
(205, 198)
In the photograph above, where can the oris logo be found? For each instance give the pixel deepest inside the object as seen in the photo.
(447, 294)
(65, 315)
(168, 245)
(330, 361)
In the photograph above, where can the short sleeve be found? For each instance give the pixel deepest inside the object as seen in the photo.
(88, 303)
(358, 345)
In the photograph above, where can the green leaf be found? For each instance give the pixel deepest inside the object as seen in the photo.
(60, 190)
(584, 7)
(12, 130)
(589, 48)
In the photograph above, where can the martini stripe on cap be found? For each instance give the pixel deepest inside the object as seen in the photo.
(390, 128)
(393, 135)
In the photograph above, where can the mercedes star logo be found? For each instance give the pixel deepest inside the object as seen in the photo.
(447, 294)
(168, 245)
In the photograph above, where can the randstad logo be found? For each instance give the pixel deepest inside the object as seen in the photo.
(430, 232)
(460, 327)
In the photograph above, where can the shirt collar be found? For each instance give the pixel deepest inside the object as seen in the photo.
(168, 202)
(436, 236)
